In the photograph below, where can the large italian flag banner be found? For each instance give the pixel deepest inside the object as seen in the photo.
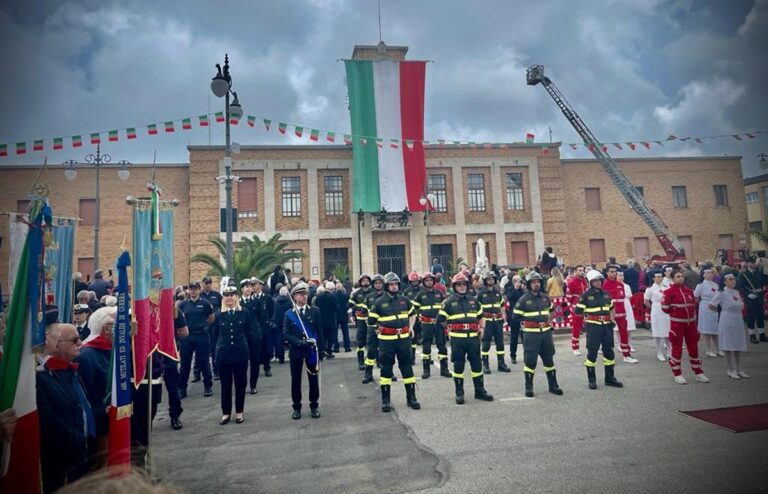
(386, 107)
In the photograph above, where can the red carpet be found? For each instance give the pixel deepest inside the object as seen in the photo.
(735, 419)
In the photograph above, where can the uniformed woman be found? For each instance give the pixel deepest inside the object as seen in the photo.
(233, 328)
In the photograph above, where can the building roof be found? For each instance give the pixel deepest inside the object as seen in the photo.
(756, 179)
(289, 147)
(364, 48)
(56, 166)
(654, 158)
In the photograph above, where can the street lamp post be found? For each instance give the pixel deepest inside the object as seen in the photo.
(427, 200)
(97, 161)
(221, 85)
(360, 224)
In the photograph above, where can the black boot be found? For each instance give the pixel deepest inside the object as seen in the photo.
(385, 405)
(427, 364)
(528, 384)
(502, 365)
(513, 358)
(486, 367)
(410, 396)
(552, 380)
(196, 377)
(361, 360)
(368, 377)
(610, 378)
(591, 378)
(444, 372)
(480, 392)
(459, 384)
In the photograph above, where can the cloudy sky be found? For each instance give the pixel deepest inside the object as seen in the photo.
(634, 69)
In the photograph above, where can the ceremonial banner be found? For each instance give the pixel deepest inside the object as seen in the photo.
(20, 463)
(386, 99)
(119, 453)
(58, 266)
(152, 286)
(17, 229)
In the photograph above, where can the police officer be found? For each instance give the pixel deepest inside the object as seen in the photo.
(214, 298)
(80, 315)
(596, 306)
(491, 303)
(751, 285)
(428, 303)
(391, 315)
(255, 338)
(357, 304)
(264, 307)
(301, 329)
(533, 308)
(372, 339)
(233, 328)
(462, 317)
(414, 286)
(199, 315)
(513, 291)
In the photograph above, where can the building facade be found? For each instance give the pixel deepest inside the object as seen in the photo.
(756, 198)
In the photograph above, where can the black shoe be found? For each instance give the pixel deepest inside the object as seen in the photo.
(335, 349)
(329, 355)
(480, 392)
(486, 366)
(764, 338)
(239, 420)
(513, 359)
(385, 403)
(427, 371)
(528, 384)
(410, 393)
(552, 381)
(208, 392)
(459, 385)
(444, 372)
(296, 415)
(591, 379)
(196, 379)
(314, 413)
(502, 366)
(182, 394)
(176, 423)
(268, 373)
(225, 420)
(253, 391)
(347, 350)
(216, 376)
(753, 338)
(610, 378)
(368, 377)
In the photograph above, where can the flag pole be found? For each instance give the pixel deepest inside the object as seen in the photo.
(149, 416)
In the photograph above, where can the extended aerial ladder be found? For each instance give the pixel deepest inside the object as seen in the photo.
(669, 242)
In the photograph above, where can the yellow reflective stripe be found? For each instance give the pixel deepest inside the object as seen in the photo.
(362, 305)
(373, 315)
(409, 380)
(479, 314)
(476, 374)
(456, 316)
(370, 361)
(535, 313)
(413, 346)
(385, 381)
(462, 335)
(608, 361)
(442, 356)
(442, 313)
(547, 369)
(581, 306)
(402, 315)
(589, 363)
(484, 354)
(597, 309)
(529, 370)
(394, 336)
(499, 352)
(536, 330)
(487, 306)
(517, 311)
(457, 375)
(425, 356)
(415, 303)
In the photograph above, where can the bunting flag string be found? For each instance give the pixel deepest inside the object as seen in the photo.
(315, 134)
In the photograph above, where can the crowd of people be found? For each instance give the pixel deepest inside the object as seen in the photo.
(234, 335)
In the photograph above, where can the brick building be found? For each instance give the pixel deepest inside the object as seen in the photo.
(756, 197)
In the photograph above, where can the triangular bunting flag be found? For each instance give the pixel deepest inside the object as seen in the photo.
(379, 142)
(659, 143)
(282, 127)
(251, 121)
(750, 136)
(671, 137)
(737, 137)
(646, 144)
(77, 141)
(299, 131)
(618, 146)
(3, 149)
(314, 135)
(408, 143)
(394, 143)
(267, 123)
(347, 139)
(573, 146)
(441, 143)
(21, 148)
(364, 141)
(631, 145)
(698, 140)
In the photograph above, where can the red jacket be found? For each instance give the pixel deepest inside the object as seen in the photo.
(678, 301)
(576, 287)
(616, 290)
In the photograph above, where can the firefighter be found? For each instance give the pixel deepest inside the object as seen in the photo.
(462, 317)
(392, 316)
(357, 304)
(533, 309)
(414, 287)
(576, 285)
(595, 308)
(491, 303)
(427, 303)
(373, 342)
(616, 289)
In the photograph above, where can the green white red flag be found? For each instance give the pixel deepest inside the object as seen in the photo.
(21, 148)
(282, 127)
(251, 121)
(299, 131)
(38, 145)
(186, 123)
(130, 133)
(169, 127)
(203, 119)
(113, 136)
(267, 123)
(77, 141)
(314, 135)
(347, 139)
(529, 138)
(58, 143)
(95, 138)
(152, 129)
(330, 137)
(3, 149)
(220, 117)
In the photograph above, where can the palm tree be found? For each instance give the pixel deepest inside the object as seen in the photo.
(252, 257)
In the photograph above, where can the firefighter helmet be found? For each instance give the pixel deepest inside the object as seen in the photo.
(377, 277)
(533, 275)
(414, 276)
(391, 278)
(364, 275)
(459, 278)
(593, 275)
(428, 274)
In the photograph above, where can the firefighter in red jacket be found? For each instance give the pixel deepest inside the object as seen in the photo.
(616, 289)
(679, 302)
(577, 285)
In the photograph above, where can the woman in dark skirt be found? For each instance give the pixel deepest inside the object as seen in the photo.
(233, 328)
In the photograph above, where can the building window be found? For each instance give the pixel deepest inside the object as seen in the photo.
(686, 242)
(444, 255)
(476, 187)
(336, 256)
(721, 196)
(87, 212)
(726, 241)
(592, 196)
(246, 198)
(515, 191)
(597, 249)
(391, 258)
(752, 197)
(756, 226)
(679, 197)
(291, 196)
(520, 253)
(642, 249)
(334, 199)
(295, 265)
(85, 266)
(640, 190)
(437, 186)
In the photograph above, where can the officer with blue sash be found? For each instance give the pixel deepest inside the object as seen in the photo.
(301, 329)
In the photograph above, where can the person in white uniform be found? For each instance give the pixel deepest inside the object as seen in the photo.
(733, 338)
(705, 292)
(631, 323)
(667, 281)
(659, 320)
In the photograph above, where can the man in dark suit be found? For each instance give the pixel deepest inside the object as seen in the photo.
(301, 330)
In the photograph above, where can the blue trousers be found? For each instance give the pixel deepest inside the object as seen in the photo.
(196, 343)
(171, 379)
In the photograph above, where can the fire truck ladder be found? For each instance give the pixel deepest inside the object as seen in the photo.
(669, 242)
